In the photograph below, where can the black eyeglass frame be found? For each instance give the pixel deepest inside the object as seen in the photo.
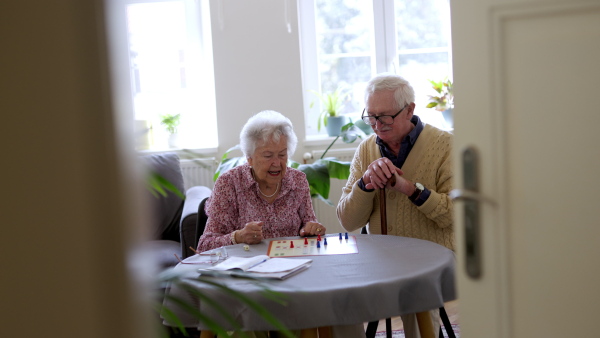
(377, 118)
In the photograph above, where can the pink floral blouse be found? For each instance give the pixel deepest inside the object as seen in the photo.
(235, 201)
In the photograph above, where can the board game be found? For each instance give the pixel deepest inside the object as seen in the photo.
(313, 246)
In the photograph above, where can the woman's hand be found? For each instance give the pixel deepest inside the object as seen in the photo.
(312, 229)
(250, 234)
(380, 173)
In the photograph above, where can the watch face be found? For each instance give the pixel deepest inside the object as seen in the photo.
(419, 186)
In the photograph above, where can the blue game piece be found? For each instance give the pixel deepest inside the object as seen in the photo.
(325, 241)
(346, 235)
(340, 235)
(318, 244)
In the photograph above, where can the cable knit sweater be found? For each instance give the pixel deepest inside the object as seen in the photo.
(430, 163)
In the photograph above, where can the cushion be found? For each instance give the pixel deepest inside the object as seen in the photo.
(166, 210)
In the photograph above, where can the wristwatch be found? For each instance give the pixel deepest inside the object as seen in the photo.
(418, 190)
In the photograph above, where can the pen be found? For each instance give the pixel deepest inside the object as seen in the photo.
(264, 260)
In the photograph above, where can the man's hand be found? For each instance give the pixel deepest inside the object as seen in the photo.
(380, 173)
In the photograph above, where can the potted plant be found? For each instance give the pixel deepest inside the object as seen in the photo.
(319, 173)
(168, 309)
(330, 116)
(444, 101)
(171, 122)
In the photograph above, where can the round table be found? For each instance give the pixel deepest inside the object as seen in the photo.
(388, 277)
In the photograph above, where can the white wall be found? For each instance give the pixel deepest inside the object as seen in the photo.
(257, 66)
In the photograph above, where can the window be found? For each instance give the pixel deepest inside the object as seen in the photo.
(346, 42)
(170, 72)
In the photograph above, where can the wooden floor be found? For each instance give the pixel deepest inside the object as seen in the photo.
(451, 311)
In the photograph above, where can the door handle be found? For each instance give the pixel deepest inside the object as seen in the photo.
(468, 195)
(472, 199)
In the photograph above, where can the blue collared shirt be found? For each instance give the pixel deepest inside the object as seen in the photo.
(398, 159)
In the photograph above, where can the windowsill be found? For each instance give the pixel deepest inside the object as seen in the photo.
(181, 152)
(318, 140)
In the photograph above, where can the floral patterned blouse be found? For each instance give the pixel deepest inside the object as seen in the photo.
(236, 200)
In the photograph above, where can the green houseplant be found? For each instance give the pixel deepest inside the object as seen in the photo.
(444, 100)
(332, 104)
(171, 122)
(318, 174)
(181, 280)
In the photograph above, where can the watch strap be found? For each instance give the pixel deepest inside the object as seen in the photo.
(415, 195)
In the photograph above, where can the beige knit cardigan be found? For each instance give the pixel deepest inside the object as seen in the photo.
(430, 163)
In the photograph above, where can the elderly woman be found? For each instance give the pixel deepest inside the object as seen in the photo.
(263, 198)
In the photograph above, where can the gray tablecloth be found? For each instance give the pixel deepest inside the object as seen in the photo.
(390, 276)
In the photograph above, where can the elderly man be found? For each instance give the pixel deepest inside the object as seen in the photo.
(412, 160)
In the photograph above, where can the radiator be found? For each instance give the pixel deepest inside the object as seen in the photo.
(344, 154)
(325, 213)
(198, 171)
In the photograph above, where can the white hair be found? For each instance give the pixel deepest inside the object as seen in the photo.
(266, 126)
(403, 91)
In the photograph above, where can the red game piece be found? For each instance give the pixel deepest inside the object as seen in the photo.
(291, 244)
(305, 241)
(318, 238)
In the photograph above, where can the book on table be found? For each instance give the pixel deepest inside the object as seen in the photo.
(261, 266)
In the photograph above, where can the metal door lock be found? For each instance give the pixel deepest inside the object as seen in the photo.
(471, 198)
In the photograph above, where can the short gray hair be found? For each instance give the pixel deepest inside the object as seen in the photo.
(403, 91)
(266, 126)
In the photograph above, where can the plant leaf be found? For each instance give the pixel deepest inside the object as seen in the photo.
(293, 164)
(336, 168)
(254, 306)
(317, 175)
(171, 317)
(228, 163)
(178, 278)
(192, 310)
(157, 184)
(350, 132)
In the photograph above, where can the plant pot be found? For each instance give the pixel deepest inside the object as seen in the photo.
(335, 124)
(143, 134)
(173, 140)
(447, 114)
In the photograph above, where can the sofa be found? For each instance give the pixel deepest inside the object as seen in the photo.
(175, 221)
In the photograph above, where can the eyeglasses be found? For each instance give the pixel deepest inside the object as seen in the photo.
(210, 257)
(384, 119)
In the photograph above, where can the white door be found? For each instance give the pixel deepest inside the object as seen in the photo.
(527, 89)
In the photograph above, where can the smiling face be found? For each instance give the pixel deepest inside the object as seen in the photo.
(383, 103)
(269, 161)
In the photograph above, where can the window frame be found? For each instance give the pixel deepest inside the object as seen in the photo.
(385, 58)
(124, 79)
